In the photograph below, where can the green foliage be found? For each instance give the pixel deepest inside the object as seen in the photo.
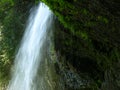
(89, 39)
(13, 15)
(5, 6)
(5, 14)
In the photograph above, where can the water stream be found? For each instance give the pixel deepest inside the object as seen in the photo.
(29, 71)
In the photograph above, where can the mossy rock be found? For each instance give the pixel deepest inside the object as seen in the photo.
(88, 34)
(94, 20)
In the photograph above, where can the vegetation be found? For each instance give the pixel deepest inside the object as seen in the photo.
(13, 14)
(87, 36)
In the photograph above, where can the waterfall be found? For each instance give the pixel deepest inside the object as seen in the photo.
(30, 62)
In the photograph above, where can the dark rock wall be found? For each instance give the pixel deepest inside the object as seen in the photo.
(87, 35)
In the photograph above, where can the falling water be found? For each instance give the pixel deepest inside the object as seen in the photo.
(31, 53)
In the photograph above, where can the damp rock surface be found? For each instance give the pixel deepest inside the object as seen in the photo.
(87, 35)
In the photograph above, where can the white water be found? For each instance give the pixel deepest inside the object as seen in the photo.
(31, 52)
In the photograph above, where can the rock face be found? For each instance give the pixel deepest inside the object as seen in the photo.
(87, 36)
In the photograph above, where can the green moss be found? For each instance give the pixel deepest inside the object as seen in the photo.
(90, 33)
(102, 19)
